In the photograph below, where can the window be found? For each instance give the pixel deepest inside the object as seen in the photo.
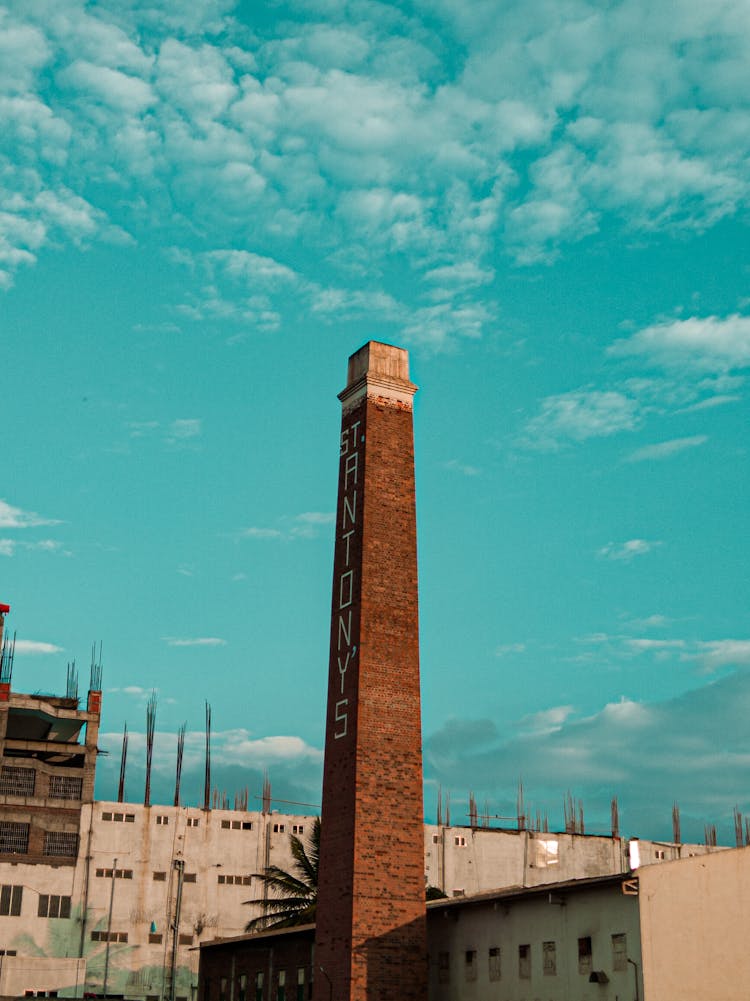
(106, 815)
(118, 873)
(8, 952)
(247, 825)
(159, 877)
(524, 962)
(186, 939)
(436, 839)
(155, 938)
(549, 959)
(193, 821)
(584, 955)
(620, 952)
(53, 906)
(10, 900)
(459, 891)
(16, 781)
(545, 852)
(298, 828)
(129, 818)
(444, 967)
(281, 984)
(278, 828)
(14, 838)
(113, 936)
(162, 819)
(494, 961)
(460, 841)
(470, 965)
(660, 853)
(235, 880)
(190, 877)
(225, 824)
(300, 983)
(118, 817)
(242, 987)
(259, 986)
(236, 825)
(222, 989)
(60, 843)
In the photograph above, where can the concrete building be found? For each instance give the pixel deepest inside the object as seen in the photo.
(662, 933)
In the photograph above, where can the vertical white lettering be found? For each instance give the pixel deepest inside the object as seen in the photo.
(344, 669)
(344, 442)
(346, 589)
(345, 630)
(345, 538)
(350, 509)
(340, 717)
(351, 465)
(353, 430)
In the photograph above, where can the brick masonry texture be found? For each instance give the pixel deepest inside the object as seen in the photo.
(370, 938)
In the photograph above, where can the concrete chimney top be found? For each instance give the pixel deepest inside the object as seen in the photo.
(380, 370)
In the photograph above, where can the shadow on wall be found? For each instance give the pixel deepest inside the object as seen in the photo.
(394, 965)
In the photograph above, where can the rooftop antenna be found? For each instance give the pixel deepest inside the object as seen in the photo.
(95, 682)
(123, 759)
(520, 808)
(615, 812)
(440, 806)
(473, 819)
(150, 726)
(448, 810)
(180, 751)
(207, 780)
(266, 793)
(7, 653)
(71, 686)
(739, 834)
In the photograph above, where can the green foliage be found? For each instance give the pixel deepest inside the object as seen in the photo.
(292, 896)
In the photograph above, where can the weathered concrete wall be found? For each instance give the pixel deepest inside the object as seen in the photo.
(695, 914)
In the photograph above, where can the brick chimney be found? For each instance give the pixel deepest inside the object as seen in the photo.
(370, 939)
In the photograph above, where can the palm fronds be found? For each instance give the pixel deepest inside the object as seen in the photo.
(291, 897)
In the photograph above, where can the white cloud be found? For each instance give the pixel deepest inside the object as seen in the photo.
(547, 720)
(666, 449)
(195, 641)
(183, 429)
(509, 648)
(299, 526)
(714, 654)
(461, 467)
(15, 517)
(35, 647)
(580, 415)
(628, 550)
(8, 547)
(711, 343)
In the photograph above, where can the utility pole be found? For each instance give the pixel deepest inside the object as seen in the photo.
(109, 928)
(179, 865)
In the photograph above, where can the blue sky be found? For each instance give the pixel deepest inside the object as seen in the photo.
(205, 207)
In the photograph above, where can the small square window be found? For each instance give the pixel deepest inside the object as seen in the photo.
(524, 962)
(106, 815)
(494, 963)
(247, 825)
(129, 818)
(549, 959)
(584, 955)
(236, 825)
(225, 825)
(470, 964)
(619, 952)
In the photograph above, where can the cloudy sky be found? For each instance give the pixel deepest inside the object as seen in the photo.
(207, 205)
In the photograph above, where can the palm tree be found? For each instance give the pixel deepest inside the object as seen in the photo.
(293, 895)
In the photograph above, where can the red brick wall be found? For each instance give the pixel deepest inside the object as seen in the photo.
(371, 912)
